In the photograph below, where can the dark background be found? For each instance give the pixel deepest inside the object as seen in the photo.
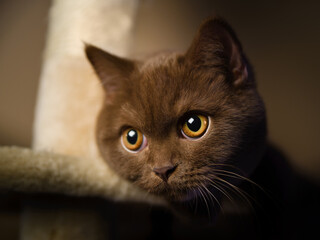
(280, 38)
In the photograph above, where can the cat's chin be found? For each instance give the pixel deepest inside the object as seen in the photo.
(170, 194)
(193, 209)
(186, 197)
(174, 195)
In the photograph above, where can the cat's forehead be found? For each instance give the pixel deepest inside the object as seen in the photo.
(165, 89)
(165, 58)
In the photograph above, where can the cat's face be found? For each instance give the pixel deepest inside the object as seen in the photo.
(175, 123)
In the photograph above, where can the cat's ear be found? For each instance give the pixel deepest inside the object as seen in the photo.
(112, 71)
(216, 45)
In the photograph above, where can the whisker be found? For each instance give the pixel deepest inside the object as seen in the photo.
(235, 175)
(196, 200)
(242, 198)
(228, 165)
(240, 176)
(214, 184)
(238, 190)
(204, 198)
(212, 195)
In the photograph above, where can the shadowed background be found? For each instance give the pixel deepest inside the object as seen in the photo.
(281, 40)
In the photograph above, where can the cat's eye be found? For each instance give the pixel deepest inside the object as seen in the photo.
(133, 140)
(195, 126)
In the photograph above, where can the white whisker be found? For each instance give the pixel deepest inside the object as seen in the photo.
(211, 194)
(204, 198)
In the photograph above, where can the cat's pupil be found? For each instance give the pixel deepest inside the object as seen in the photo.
(194, 123)
(132, 137)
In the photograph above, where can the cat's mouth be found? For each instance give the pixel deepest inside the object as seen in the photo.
(175, 190)
(182, 185)
(170, 190)
(173, 193)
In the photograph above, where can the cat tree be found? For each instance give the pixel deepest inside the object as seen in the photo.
(64, 158)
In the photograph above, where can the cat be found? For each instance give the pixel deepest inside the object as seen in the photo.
(188, 127)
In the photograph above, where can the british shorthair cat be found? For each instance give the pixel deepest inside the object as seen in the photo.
(188, 127)
(175, 123)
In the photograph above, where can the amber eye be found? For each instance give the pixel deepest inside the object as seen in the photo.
(133, 139)
(195, 126)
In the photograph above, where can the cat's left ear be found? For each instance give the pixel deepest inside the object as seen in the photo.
(114, 72)
(216, 45)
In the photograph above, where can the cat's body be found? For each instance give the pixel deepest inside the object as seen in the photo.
(191, 127)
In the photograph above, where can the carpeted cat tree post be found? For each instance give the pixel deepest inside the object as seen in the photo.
(64, 159)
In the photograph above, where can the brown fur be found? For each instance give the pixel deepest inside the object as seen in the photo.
(213, 78)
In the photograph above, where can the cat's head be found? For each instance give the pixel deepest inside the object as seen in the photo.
(175, 123)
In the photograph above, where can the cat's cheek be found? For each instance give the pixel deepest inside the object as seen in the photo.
(131, 165)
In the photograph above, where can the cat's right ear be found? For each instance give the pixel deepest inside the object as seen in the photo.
(217, 46)
(112, 71)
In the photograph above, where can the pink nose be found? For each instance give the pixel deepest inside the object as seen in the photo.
(164, 172)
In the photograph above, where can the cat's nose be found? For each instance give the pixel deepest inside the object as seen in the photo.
(164, 172)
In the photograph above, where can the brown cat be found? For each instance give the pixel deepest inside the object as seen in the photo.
(182, 126)
(191, 128)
